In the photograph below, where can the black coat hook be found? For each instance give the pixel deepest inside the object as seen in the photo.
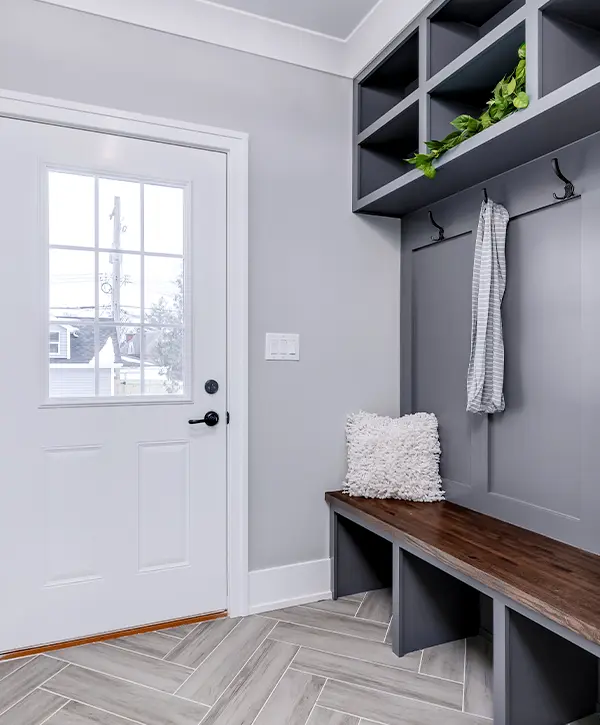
(485, 196)
(440, 236)
(569, 188)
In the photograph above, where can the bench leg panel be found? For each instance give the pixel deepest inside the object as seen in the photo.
(361, 560)
(430, 607)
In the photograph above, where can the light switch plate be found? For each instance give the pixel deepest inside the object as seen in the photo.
(282, 346)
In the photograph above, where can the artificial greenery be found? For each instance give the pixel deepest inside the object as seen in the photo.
(509, 96)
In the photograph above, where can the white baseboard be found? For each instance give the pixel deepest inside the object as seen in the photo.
(285, 586)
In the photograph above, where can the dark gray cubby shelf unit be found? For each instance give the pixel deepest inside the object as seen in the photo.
(447, 63)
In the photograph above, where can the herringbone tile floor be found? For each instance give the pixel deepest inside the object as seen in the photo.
(322, 664)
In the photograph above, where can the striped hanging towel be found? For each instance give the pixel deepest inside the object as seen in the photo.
(485, 378)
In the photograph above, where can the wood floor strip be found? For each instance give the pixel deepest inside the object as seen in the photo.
(197, 646)
(342, 644)
(378, 677)
(390, 709)
(122, 663)
(377, 606)
(445, 660)
(153, 644)
(478, 677)
(245, 697)
(322, 716)
(74, 713)
(331, 622)
(219, 669)
(124, 698)
(34, 709)
(173, 626)
(22, 681)
(292, 700)
(11, 665)
(349, 607)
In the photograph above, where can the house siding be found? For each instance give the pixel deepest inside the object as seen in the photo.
(69, 382)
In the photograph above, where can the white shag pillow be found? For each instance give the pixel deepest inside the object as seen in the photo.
(394, 457)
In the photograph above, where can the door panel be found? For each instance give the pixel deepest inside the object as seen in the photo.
(112, 507)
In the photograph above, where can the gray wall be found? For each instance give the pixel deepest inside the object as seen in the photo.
(314, 267)
(536, 464)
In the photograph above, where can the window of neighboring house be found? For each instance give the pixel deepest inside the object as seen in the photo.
(54, 344)
(116, 276)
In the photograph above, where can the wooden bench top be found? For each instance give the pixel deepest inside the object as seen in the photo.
(547, 576)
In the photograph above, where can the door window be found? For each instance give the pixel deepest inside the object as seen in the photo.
(117, 289)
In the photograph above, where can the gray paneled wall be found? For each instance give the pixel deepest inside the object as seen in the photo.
(536, 464)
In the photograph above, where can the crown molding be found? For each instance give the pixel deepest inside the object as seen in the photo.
(231, 28)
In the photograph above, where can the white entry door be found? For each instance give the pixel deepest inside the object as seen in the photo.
(112, 505)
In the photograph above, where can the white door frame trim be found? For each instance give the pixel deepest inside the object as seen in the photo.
(56, 112)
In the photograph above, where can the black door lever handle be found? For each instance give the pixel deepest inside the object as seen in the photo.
(210, 419)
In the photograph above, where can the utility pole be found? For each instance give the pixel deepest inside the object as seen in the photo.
(115, 260)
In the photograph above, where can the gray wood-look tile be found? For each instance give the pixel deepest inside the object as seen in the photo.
(343, 605)
(34, 709)
(117, 662)
(181, 631)
(377, 606)
(195, 648)
(445, 660)
(74, 713)
(8, 666)
(331, 622)
(292, 700)
(356, 597)
(322, 716)
(341, 644)
(153, 644)
(478, 677)
(390, 709)
(218, 670)
(247, 694)
(22, 681)
(124, 698)
(379, 677)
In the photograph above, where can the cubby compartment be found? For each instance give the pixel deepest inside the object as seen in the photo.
(549, 679)
(570, 41)
(390, 83)
(469, 89)
(383, 154)
(459, 24)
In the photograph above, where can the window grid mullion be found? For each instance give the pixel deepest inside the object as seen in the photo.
(142, 292)
(96, 286)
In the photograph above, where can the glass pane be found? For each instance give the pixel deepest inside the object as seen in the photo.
(163, 290)
(120, 287)
(114, 195)
(163, 219)
(71, 209)
(164, 355)
(71, 373)
(128, 375)
(72, 293)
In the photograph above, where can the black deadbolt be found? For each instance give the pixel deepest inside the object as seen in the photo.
(211, 386)
(210, 419)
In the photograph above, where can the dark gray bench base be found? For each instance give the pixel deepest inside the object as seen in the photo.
(544, 674)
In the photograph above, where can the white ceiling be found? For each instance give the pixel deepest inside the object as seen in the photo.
(316, 34)
(337, 18)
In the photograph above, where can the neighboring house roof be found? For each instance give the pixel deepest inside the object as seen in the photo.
(83, 345)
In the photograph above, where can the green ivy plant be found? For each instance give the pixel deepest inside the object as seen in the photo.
(509, 96)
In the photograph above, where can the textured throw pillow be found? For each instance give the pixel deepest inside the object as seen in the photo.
(394, 457)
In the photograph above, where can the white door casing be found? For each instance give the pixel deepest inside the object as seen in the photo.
(117, 516)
